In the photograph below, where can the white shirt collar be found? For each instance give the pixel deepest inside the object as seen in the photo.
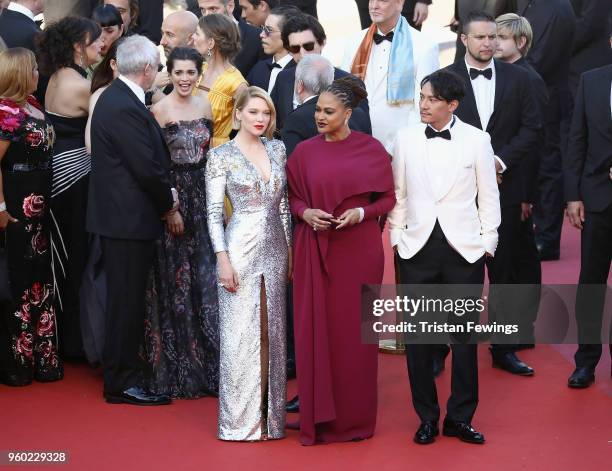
(137, 89)
(309, 98)
(283, 61)
(393, 30)
(490, 65)
(21, 9)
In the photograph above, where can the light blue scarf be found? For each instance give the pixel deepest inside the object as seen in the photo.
(400, 81)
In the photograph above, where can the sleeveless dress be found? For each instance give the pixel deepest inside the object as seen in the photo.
(182, 314)
(71, 168)
(28, 327)
(221, 97)
(256, 238)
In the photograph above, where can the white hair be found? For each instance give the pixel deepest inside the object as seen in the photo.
(135, 53)
(315, 72)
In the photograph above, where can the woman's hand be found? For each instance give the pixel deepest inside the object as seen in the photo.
(290, 265)
(5, 218)
(228, 278)
(317, 219)
(175, 224)
(350, 217)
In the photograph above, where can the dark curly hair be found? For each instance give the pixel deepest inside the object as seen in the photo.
(184, 54)
(225, 33)
(302, 22)
(56, 43)
(349, 90)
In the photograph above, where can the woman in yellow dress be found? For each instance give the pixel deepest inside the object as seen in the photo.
(218, 40)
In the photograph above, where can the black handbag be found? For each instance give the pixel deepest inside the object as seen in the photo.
(5, 285)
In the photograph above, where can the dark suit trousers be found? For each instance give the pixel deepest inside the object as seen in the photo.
(503, 269)
(596, 256)
(438, 262)
(550, 204)
(127, 264)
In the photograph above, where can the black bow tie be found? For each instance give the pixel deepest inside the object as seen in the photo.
(378, 38)
(274, 65)
(486, 73)
(430, 133)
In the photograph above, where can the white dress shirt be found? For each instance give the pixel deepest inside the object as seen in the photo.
(484, 92)
(275, 71)
(21, 9)
(137, 89)
(388, 119)
(436, 166)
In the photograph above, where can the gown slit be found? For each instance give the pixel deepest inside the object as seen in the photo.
(264, 354)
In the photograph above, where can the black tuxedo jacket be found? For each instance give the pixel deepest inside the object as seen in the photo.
(514, 126)
(129, 186)
(589, 154)
(300, 124)
(553, 23)
(251, 50)
(282, 96)
(260, 73)
(18, 30)
(531, 165)
(591, 47)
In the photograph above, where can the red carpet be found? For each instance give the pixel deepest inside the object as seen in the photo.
(530, 423)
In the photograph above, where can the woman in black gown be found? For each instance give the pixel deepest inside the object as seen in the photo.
(28, 340)
(67, 48)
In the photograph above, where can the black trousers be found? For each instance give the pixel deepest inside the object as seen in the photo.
(438, 262)
(503, 269)
(127, 264)
(595, 259)
(550, 204)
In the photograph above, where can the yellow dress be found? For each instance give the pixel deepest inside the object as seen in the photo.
(221, 98)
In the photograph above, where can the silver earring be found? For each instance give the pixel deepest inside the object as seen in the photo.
(209, 53)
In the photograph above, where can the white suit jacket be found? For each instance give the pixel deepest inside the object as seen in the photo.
(468, 206)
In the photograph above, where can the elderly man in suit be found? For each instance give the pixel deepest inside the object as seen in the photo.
(415, 12)
(17, 25)
(442, 229)
(129, 195)
(391, 57)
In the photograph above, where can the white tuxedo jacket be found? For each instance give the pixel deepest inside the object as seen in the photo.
(466, 204)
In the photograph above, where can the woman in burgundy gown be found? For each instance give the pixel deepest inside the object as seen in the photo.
(340, 184)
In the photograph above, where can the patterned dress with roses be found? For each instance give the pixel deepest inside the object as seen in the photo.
(28, 339)
(182, 316)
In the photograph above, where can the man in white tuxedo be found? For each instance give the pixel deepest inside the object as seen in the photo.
(443, 227)
(391, 57)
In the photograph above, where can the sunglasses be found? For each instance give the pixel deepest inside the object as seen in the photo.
(267, 31)
(308, 47)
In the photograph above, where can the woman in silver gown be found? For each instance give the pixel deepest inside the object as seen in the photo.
(253, 259)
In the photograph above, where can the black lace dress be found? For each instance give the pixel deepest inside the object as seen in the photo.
(182, 319)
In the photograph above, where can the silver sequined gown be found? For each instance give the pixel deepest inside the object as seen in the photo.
(256, 238)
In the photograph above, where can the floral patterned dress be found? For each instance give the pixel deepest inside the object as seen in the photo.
(28, 330)
(182, 316)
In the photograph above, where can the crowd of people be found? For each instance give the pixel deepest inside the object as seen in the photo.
(205, 227)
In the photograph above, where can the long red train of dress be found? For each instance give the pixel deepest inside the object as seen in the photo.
(336, 371)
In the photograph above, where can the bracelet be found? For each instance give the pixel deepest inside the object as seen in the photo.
(2, 207)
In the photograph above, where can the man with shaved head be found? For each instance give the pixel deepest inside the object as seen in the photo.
(177, 30)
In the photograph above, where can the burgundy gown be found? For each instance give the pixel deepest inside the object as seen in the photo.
(336, 371)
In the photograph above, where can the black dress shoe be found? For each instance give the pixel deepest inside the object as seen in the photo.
(15, 379)
(509, 362)
(581, 378)
(546, 254)
(138, 397)
(463, 431)
(291, 373)
(427, 433)
(293, 406)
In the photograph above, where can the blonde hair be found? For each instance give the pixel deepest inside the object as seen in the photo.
(16, 74)
(243, 99)
(518, 27)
